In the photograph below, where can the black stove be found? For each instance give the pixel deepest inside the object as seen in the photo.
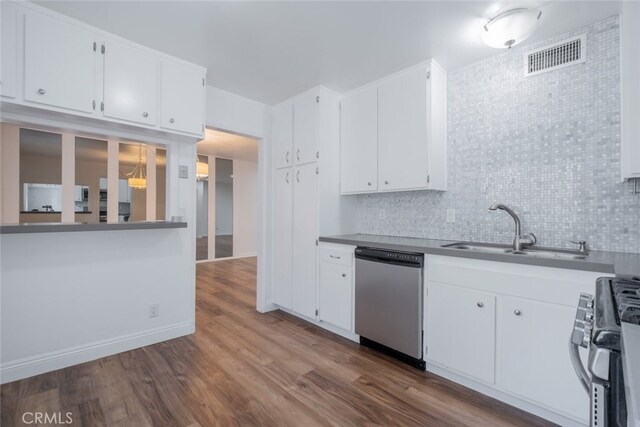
(626, 295)
(600, 326)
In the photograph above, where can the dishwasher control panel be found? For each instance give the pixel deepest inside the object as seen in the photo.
(389, 256)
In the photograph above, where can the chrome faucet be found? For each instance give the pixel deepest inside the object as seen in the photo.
(519, 241)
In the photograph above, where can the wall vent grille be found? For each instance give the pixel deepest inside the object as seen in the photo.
(558, 55)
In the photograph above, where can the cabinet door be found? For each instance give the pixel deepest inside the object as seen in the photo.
(59, 64)
(533, 355)
(335, 295)
(283, 238)
(305, 128)
(182, 97)
(9, 46)
(402, 132)
(305, 233)
(282, 134)
(359, 142)
(130, 83)
(461, 330)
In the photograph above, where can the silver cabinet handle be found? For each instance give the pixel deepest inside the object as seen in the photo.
(298, 176)
(286, 157)
(41, 91)
(287, 177)
(298, 154)
(334, 256)
(480, 304)
(145, 114)
(517, 312)
(170, 120)
(344, 274)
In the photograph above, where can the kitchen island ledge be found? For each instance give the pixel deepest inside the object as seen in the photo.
(63, 227)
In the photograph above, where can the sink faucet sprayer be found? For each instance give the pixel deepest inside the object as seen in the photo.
(519, 241)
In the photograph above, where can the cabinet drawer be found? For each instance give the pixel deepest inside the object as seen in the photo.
(336, 256)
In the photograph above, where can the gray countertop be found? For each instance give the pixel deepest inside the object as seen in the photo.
(604, 262)
(60, 227)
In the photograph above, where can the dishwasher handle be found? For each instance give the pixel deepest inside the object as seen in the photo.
(406, 259)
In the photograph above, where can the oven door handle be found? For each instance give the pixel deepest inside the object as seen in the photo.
(581, 372)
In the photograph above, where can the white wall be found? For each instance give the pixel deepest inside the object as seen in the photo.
(234, 113)
(202, 209)
(245, 208)
(72, 297)
(223, 205)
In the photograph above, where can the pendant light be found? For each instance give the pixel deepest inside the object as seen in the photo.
(511, 27)
(137, 178)
(202, 169)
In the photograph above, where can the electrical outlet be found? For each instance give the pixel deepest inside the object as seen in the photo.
(381, 214)
(183, 171)
(154, 310)
(451, 215)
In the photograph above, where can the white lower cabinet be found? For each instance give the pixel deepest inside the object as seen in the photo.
(282, 293)
(335, 286)
(533, 358)
(305, 234)
(506, 327)
(469, 316)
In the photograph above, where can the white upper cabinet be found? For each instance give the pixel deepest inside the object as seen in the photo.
(55, 63)
(59, 63)
(400, 121)
(359, 146)
(305, 128)
(130, 83)
(9, 46)
(630, 85)
(182, 97)
(282, 135)
(402, 131)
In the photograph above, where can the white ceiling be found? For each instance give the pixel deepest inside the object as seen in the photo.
(228, 146)
(271, 50)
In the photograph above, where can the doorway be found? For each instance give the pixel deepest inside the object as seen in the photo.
(227, 196)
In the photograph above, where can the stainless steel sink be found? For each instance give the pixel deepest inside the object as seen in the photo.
(496, 248)
(481, 247)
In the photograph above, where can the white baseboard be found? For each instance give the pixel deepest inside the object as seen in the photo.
(35, 365)
(506, 398)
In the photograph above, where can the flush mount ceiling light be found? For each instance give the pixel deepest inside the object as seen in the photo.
(137, 178)
(510, 27)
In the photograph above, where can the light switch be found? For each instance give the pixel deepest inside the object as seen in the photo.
(183, 171)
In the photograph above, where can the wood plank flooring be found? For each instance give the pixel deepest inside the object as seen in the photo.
(224, 247)
(246, 368)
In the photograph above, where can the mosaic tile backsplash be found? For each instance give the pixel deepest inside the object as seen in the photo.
(546, 145)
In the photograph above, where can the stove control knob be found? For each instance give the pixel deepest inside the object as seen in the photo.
(590, 305)
(588, 315)
(586, 337)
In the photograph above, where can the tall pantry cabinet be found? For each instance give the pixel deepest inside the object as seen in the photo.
(306, 202)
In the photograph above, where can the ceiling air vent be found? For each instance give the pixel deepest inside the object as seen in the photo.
(558, 55)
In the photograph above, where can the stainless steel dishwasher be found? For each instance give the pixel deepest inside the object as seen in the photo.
(389, 302)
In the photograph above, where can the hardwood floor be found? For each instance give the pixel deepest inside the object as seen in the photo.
(224, 247)
(246, 368)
